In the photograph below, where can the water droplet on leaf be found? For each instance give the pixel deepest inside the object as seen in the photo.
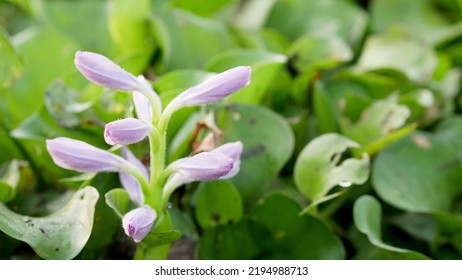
(345, 184)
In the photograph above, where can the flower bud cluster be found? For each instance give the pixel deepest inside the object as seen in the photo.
(151, 121)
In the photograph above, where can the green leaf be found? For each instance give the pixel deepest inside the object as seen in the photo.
(84, 21)
(231, 242)
(450, 132)
(318, 168)
(200, 7)
(10, 62)
(127, 24)
(367, 218)
(161, 238)
(64, 106)
(9, 179)
(218, 203)
(381, 119)
(419, 173)
(308, 53)
(60, 235)
(181, 37)
(27, 94)
(398, 52)
(118, 200)
(268, 144)
(251, 14)
(265, 67)
(420, 226)
(327, 18)
(282, 233)
(420, 18)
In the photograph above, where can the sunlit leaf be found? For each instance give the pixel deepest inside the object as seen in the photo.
(318, 168)
(60, 235)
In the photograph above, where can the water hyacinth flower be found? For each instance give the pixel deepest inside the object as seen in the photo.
(77, 155)
(234, 151)
(126, 131)
(130, 184)
(213, 89)
(102, 71)
(138, 222)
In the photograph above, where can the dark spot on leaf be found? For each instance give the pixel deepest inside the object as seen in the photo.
(231, 107)
(82, 197)
(42, 230)
(252, 122)
(450, 165)
(29, 222)
(56, 249)
(215, 217)
(254, 152)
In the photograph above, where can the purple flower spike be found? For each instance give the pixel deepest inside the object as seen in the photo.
(138, 222)
(234, 151)
(213, 89)
(80, 156)
(130, 184)
(126, 131)
(102, 71)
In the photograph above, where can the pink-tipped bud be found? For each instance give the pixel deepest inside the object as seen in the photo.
(138, 222)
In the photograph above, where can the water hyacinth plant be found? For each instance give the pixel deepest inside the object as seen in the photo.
(150, 188)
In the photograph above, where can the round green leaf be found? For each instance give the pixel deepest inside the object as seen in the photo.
(268, 144)
(281, 233)
(367, 217)
(419, 173)
(317, 169)
(218, 202)
(60, 235)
